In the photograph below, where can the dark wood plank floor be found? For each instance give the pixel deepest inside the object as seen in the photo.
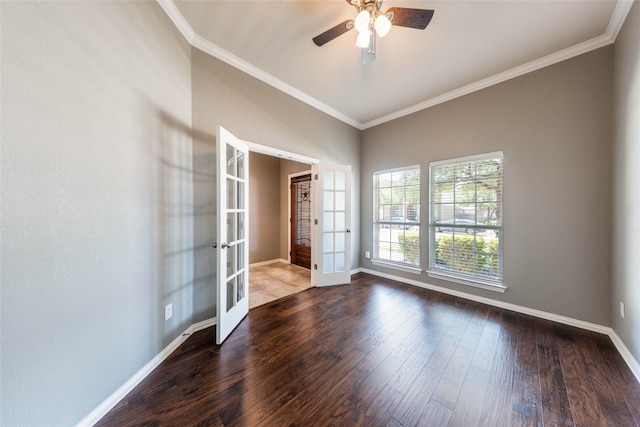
(381, 353)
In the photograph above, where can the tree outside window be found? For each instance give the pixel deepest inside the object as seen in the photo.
(397, 216)
(466, 217)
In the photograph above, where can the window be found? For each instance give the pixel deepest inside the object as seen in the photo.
(396, 217)
(466, 218)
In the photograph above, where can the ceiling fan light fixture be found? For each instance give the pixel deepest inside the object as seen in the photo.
(362, 21)
(363, 39)
(382, 25)
(371, 21)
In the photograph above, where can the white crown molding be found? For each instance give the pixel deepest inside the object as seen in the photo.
(242, 65)
(110, 402)
(206, 46)
(618, 17)
(518, 71)
(615, 24)
(178, 20)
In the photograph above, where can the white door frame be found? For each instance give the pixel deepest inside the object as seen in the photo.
(275, 152)
(316, 243)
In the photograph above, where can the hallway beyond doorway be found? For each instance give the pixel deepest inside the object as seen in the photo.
(270, 282)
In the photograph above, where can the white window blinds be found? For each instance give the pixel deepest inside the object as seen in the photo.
(396, 218)
(466, 218)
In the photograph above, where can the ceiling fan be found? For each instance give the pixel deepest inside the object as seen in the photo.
(371, 21)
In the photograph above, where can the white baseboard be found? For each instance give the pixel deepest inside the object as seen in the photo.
(507, 306)
(200, 326)
(111, 401)
(617, 342)
(626, 354)
(121, 392)
(271, 261)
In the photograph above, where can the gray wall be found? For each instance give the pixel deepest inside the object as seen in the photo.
(269, 206)
(626, 220)
(97, 225)
(264, 207)
(554, 127)
(108, 193)
(108, 188)
(259, 113)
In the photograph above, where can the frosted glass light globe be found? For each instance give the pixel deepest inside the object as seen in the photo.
(383, 25)
(362, 21)
(363, 39)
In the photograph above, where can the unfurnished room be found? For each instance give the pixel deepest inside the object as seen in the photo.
(320, 212)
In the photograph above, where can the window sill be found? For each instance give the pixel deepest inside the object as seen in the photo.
(408, 269)
(476, 284)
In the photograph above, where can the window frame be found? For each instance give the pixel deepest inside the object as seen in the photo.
(470, 279)
(405, 225)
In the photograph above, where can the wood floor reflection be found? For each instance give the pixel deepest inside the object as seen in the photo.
(277, 280)
(382, 353)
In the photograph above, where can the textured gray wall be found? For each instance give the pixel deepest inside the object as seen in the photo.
(554, 127)
(97, 226)
(626, 220)
(269, 209)
(108, 188)
(255, 112)
(264, 207)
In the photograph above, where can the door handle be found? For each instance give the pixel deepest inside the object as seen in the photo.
(348, 230)
(224, 245)
(214, 245)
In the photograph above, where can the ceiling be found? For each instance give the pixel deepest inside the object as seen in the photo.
(467, 46)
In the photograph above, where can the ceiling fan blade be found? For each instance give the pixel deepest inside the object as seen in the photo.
(411, 18)
(334, 32)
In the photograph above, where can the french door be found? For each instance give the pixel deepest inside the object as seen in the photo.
(233, 248)
(332, 263)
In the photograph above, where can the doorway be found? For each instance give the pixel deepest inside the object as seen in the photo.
(328, 201)
(330, 205)
(272, 276)
(300, 224)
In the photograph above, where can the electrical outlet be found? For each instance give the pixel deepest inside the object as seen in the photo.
(367, 254)
(621, 309)
(168, 311)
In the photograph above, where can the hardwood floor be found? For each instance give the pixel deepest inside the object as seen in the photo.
(381, 353)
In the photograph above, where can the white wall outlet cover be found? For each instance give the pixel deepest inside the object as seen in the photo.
(621, 309)
(168, 311)
(367, 254)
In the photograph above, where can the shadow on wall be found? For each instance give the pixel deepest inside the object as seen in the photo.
(204, 226)
(185, 215)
